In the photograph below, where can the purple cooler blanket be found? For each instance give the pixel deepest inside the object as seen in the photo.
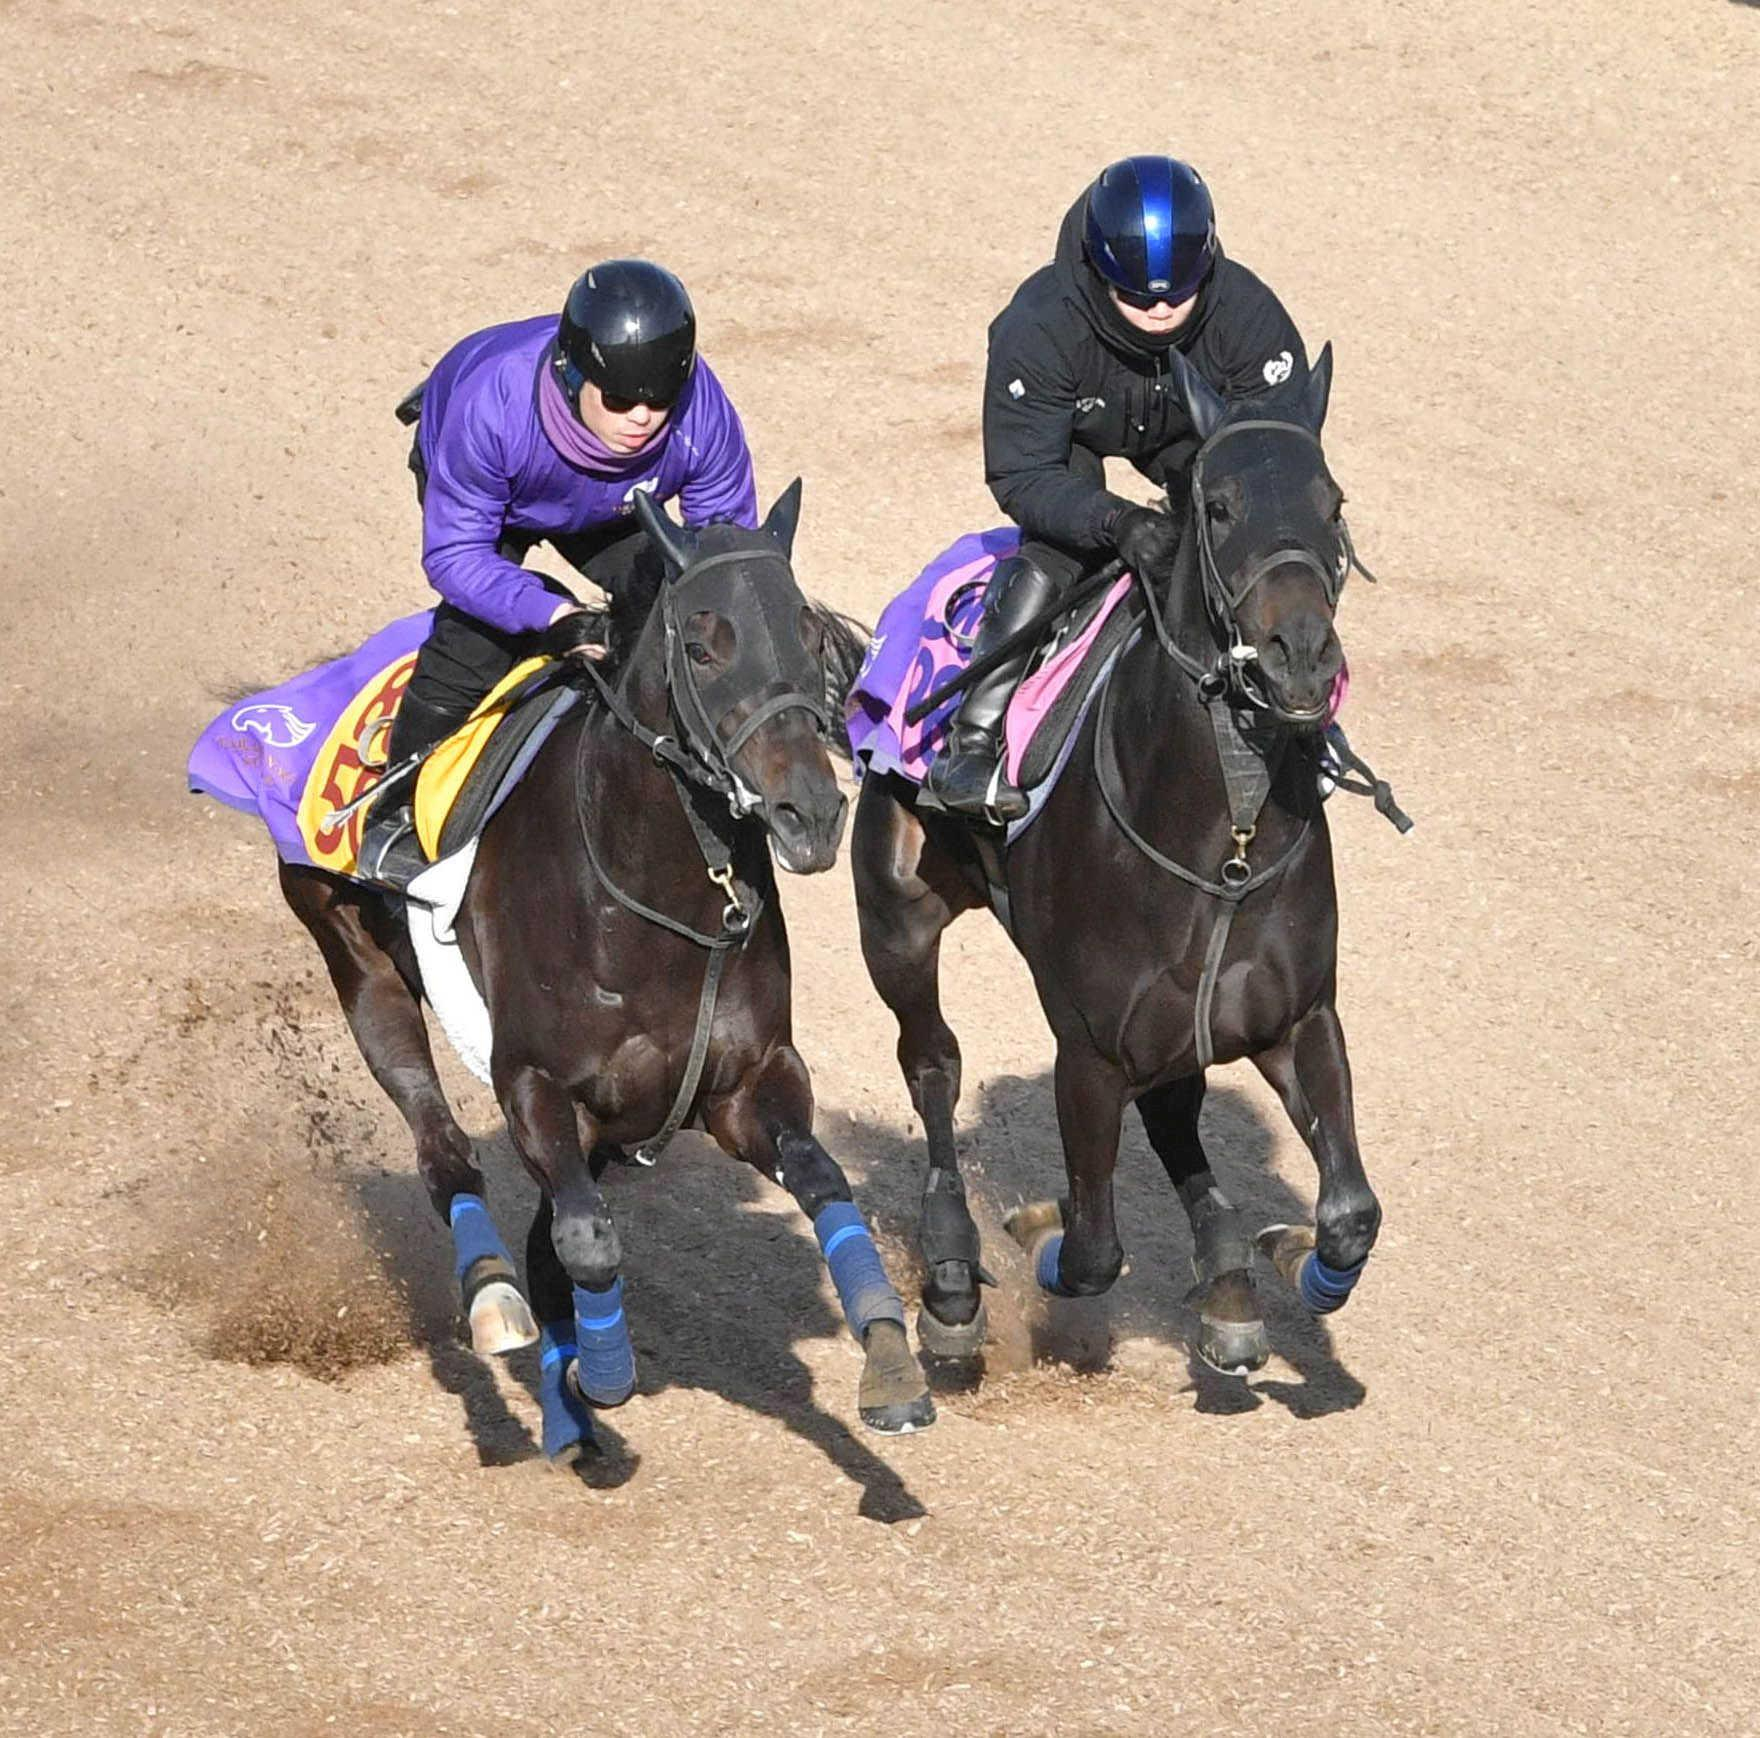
(925, 638)
(296, 753)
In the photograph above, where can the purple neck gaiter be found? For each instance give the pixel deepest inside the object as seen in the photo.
(576, 442)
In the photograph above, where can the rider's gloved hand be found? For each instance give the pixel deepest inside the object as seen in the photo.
(1147, 540)
(574, 631)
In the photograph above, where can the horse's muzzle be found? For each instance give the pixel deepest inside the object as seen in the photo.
(806, 837)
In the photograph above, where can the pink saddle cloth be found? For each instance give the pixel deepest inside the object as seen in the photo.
(925, 639)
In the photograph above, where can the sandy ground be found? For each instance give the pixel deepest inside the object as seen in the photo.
(249, 1484)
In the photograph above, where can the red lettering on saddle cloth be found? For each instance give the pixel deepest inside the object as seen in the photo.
(348, 776)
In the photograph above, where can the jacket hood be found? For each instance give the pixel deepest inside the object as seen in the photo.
(1090, 292)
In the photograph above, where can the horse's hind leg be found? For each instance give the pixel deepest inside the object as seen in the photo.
(568, 1425)
(1074, 1244)
(1312, 1076)
(1231, 1336)
(908, 889)
(373, 970)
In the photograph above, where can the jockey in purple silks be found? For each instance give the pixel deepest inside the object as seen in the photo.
(545, 429)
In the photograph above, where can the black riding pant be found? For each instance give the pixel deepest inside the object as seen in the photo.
(464, 657)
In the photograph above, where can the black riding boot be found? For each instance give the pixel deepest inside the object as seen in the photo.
(966, 776)
(391, 854)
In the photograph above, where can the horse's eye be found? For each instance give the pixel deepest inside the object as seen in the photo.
(1217, 511)
(699, 653)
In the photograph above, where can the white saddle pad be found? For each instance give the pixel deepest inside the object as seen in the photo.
(432, 907)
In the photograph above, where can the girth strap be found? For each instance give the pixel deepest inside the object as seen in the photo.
(1248, 790)
(738, 917)
(1220, 924)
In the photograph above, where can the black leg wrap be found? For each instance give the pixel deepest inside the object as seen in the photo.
(947, 1232)
(1220, 1240)
(809, 1173)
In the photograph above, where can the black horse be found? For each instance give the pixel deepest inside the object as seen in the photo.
(1174, 900)
(622, 925)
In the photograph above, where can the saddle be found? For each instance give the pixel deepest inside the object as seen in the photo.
(469, 775)
(924, 640)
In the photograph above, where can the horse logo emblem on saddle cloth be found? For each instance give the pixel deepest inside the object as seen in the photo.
(314, 793)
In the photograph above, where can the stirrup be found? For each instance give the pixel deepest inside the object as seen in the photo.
(391, 855)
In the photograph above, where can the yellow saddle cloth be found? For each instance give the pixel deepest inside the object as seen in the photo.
(352, 761)
(444, 772)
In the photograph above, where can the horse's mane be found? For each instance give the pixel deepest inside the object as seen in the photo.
(846, 640)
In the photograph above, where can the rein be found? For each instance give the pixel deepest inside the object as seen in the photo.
(1248, 755)
(698, 763)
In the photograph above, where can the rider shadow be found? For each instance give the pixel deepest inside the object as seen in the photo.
(718, 1296)
(1010, 1153)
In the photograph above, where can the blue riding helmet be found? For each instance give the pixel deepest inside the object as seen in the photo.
(1151, 229)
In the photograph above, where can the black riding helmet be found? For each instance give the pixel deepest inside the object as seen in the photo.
(628, 327)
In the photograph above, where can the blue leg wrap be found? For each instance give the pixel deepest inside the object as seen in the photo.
(566, 1421)
(862, 1286)
(607, 1368)
(473, 1234)
(1045, 1268)
(1325, 1289)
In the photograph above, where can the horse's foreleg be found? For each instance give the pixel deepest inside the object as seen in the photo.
(1231, 1336)
(1075, 1247)
(906, 896)
(768, 1122)
(568, 1425)
(1312, 1075)
(355, 931)
(541, 1118)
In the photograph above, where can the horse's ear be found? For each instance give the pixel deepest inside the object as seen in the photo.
(1204, 404)
(1319, 389)
(666, 536)
(782, 519)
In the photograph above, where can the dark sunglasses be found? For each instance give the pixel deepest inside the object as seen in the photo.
(1147, 299)
(622, 406)
(573, 380)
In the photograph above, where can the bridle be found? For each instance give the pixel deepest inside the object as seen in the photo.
(699, 747)
(698, 752)
(1231, 669)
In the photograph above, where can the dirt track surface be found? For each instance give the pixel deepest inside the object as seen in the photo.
(250, 1483)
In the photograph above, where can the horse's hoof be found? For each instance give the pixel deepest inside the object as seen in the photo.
(608, 1401)
(1233, 1348)
(1032, 1222)
(1286, 1247)
(893, 1398)
(501, 1320)
(941, 1339)
(569, 1453)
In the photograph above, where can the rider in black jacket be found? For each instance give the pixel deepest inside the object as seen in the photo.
(1079, 373)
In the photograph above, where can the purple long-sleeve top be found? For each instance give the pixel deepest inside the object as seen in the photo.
(491, 468)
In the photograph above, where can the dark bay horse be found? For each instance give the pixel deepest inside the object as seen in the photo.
(622, 924)
(1174, 901)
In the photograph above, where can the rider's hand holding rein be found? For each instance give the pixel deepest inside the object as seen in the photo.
(574, 632)
(1147, 540)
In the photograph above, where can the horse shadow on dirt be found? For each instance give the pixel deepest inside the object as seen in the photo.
(1010, 1152)
(724, 1281)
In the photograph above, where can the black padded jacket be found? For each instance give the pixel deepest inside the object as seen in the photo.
(1067, 370)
